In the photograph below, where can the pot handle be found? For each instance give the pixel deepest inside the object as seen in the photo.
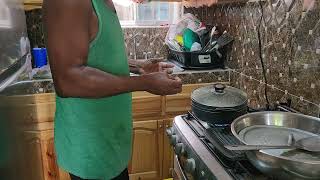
(219, 88)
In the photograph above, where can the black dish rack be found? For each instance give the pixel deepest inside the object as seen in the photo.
(199, 60)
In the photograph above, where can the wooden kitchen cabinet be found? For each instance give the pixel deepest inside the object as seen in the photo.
(38, 159)
(167, 161)
(152, 155)
(146, 106)
(32, 4)
(147, 153)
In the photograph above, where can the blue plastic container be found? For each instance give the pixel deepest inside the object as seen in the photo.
(40, 57)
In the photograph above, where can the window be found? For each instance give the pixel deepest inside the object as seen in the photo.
(5, 17)
(148, 14)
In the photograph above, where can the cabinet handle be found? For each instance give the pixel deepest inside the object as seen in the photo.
(160, 126)
(49, 154)
(51, 174)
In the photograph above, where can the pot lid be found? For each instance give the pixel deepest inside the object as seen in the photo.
(220, 96)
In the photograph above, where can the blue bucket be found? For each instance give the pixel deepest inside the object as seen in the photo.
(40, 57)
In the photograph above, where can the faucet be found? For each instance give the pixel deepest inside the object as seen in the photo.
(134, 48)
(146, 55)
(135, 45)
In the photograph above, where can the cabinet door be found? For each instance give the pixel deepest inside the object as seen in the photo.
(31, 158)
(50, 162)
(167, 164)
(146, 105)
(32, 4)
(39, 159)
(49, 159)
(147, 150)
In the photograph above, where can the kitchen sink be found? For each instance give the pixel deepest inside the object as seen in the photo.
(29, 87)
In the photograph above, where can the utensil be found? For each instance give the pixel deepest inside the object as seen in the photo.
(218, 104)
(311, 144)
(283, 164)
(222, 41)
(212, 33)
(213, 30)
(209, 46)
(204, 37)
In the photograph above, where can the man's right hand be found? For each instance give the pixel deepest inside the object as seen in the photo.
(161, 83)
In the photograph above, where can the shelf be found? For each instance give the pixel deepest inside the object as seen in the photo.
(32, 4)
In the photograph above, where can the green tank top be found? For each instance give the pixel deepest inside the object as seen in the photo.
(93, 136)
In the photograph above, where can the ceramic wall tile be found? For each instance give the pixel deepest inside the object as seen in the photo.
(35, 28)
(289, 34)
(205, 77)
(143, 41)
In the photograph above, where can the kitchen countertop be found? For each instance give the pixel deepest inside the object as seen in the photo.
(180, 72)
(187, 76)
(200, 76)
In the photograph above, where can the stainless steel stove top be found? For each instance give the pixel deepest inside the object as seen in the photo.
(195, 158)
(201, 155)
(200, 152)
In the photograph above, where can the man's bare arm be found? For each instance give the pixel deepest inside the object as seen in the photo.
(67, 25)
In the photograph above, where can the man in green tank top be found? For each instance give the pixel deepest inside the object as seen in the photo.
(93, 123)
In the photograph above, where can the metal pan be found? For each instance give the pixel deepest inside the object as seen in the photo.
(288, 164)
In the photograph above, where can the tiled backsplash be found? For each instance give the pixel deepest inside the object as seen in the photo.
(139, 41)
(142, 41)
(290, 49)
(35, 28)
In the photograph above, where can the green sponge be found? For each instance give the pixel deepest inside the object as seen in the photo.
(189, 37)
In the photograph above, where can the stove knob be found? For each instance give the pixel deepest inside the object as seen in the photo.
(179, 149)
(174, 140)
(190, 166)
(170, 131)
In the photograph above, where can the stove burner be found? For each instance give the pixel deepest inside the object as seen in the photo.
(218, 136)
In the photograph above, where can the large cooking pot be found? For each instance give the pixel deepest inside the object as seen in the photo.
(218, 104)
(281, 164)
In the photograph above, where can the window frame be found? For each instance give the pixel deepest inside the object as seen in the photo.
(5, 20)
(175, 12)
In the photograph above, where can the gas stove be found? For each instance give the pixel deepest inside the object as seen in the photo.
(200, 153)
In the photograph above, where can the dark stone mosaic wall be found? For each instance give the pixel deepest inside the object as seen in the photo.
(139, 41)
(35, 28)
(146, 41)
(289, 32)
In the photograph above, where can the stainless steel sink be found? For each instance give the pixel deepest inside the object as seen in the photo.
(29, 87)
